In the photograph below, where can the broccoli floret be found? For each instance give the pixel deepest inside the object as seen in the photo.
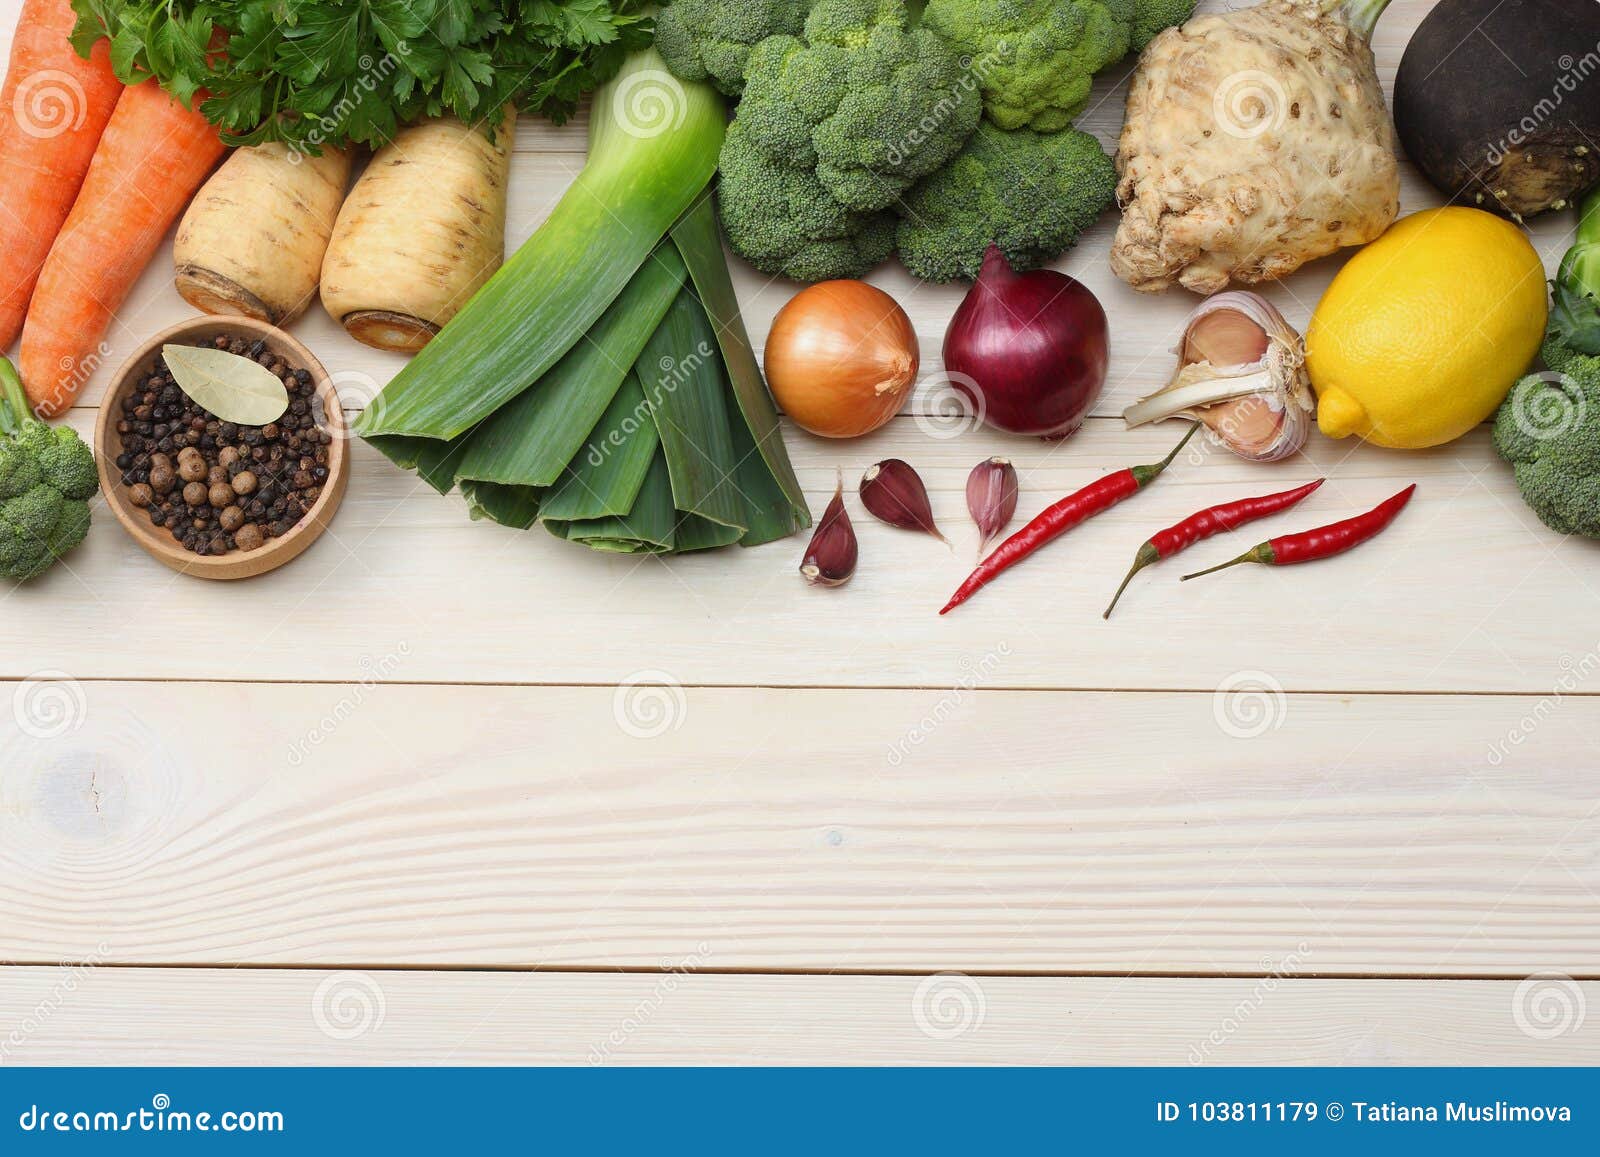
(872, 104)
(783, 221)
(1153, 17)
(1548, 428)
(1030, 194)
(711, 39)
(1034, 59)
(47, 476)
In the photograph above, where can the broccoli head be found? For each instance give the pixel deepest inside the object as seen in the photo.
(784, 222)
(47, 476)
(1034, 59)
(1030, 194)
(1153, 17)
(711, 39)
(1548, 427)
(869, 102)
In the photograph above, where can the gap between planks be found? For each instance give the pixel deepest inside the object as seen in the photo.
(758, 970)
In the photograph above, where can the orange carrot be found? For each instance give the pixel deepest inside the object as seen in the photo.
(155, 154)
(53, 108)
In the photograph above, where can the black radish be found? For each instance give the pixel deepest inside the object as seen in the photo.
(1498, 102)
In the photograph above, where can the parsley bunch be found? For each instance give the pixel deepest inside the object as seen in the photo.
(329, 72)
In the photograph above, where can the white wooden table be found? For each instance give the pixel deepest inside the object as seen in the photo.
(441, 791)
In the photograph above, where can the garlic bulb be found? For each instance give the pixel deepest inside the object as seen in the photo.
(1241, 372)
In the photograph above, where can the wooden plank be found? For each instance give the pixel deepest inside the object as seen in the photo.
(906, 830)
(74, 1016)
(1467, 592)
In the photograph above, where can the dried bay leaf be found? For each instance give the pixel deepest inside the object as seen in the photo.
(234, 388)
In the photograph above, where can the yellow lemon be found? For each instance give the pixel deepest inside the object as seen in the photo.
(1424, 332)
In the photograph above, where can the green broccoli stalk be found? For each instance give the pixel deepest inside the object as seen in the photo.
(711, 39)
(47, 476)
(1030, 194)
(1548, 428)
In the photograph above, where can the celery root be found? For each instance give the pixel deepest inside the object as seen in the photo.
(420, 233)
(253, 240)
(1255, 141)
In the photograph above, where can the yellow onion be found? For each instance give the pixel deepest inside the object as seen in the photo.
(841, 358)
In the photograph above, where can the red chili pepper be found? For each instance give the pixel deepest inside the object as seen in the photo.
(1100, 495)
(1324, 541)
(1212, 520)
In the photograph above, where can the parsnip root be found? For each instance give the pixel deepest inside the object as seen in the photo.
(253, 241)
(420, 233)
(1255, 141)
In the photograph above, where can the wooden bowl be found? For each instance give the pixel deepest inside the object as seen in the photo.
(155, 540)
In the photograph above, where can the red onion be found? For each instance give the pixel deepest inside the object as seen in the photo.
(1029, 350)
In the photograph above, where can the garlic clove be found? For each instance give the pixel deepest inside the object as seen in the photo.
(1241, 372)
(830, 557)
(992, 497)
(893, 492)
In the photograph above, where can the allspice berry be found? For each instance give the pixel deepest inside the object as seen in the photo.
(231, 519)
(192, 469)
(196, 494)
(244, 482)
(249, 537)
(141, 495)
(221, 495)
(162, 479)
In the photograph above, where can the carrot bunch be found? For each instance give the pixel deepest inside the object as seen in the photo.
(85, 198)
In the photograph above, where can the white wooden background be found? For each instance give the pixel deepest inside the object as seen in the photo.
(442, 791)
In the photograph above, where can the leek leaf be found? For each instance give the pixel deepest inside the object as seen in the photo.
(681, 369)
(606, 476)
(533, 437)
(696, 237)
(647, 527)
(513, 506)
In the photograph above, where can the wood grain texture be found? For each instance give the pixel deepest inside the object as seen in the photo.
(281, 1017)
(1467, 592)
(763, 828)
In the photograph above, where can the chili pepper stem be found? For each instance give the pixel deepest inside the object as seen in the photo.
(1261, 554)
(1144, 558)
(1144, 475)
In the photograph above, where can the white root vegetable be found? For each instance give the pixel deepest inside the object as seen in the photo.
(253, 238)
(420, 233)
(1255, 141)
